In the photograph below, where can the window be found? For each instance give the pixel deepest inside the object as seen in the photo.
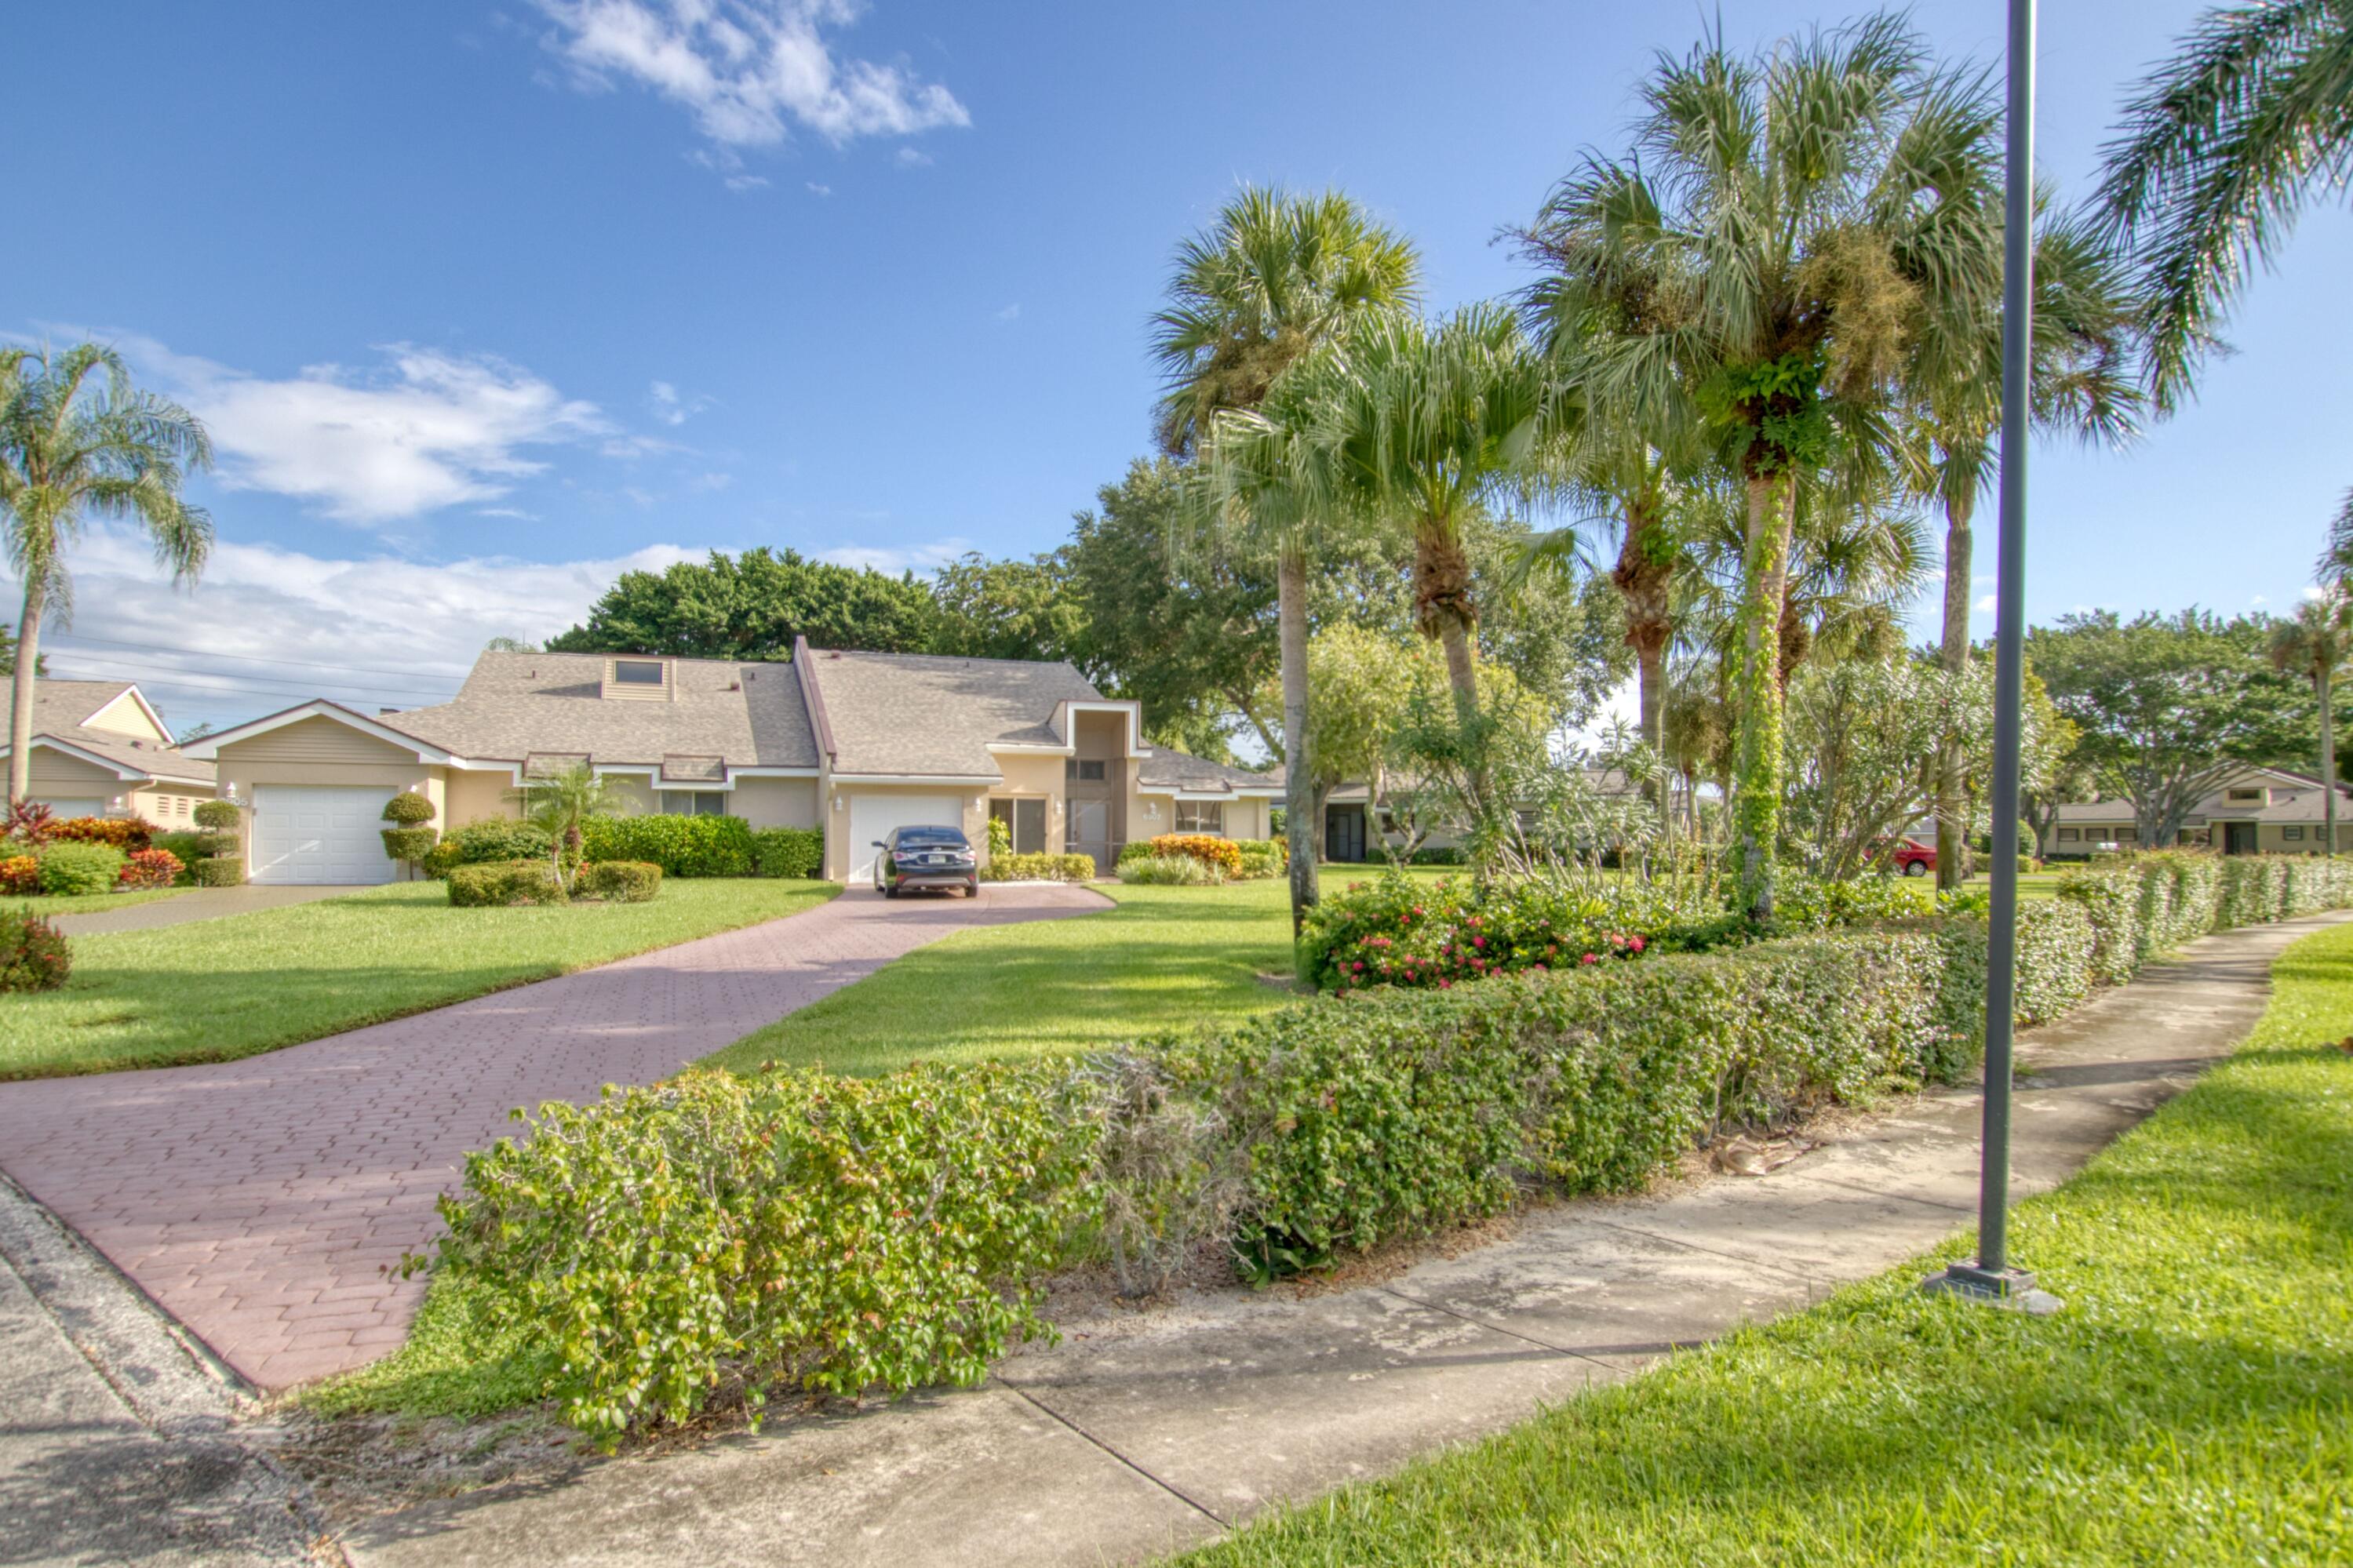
(2126, 835)
(637, 672)
(2068, 835)
(2249, 797)
(1201, 816)
(691, 802)
(2292, 833)
(1084, 771)
(1025, 823)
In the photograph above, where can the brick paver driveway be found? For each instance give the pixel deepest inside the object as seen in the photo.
(260, 1201)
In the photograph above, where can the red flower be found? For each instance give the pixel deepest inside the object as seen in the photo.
(1636, 944)
(1478, 942)
(1590, 958)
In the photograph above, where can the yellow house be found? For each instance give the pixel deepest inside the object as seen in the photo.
(99, 749)
(2249, 811)
(849, 742)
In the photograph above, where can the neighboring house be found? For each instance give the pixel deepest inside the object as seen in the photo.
(853, 743)
(99, 749)
(2254, 810)
(1357, 827)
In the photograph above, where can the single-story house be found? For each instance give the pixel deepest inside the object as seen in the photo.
(2253, 810)
(853, 743)
(1358, 827)
(99, 749)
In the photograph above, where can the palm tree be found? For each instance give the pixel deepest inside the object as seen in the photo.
(78, 441)
(2082, 381)
(2336, 568)
(1275, 276)
(2216, 154)
(561, 804)
(1764, 267)
(2314, 645)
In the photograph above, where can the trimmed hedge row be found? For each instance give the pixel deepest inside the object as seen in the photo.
(842, 1234)
(788, 851)
(681, 845)
(2154, 903)
(1038, 869)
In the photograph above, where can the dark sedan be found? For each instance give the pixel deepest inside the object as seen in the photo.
(916, 857)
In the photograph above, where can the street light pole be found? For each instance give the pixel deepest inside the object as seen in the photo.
(1991, 1278)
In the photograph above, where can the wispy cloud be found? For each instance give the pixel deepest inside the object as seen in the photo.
(667, 403)
(897, 558)
(750, 71)
(816, 189)
(1986, 604)
(1010, 313)
(913, 158)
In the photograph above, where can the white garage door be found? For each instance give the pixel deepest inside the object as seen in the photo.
(319, 833)
(65, 808)
(872, 816)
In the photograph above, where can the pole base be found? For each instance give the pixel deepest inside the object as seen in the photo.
(2010, 1288)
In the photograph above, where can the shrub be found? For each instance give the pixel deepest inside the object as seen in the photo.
(185, 846)
(32, 956)
(74, 869)
(409, 808)
(1261, 859)
(681, 845)
(1169, 870)
(492, 839)
(788, 851)
(1217, 853)
(1039, 869)
(219, 816)
(225, 871)
(30, 824)
(1437, 855)
(498, 883)
(20, 875)
(1804, 903)
(619, 881)
(409, 845)
(123, 832)
(799, 1231)
(150, 869)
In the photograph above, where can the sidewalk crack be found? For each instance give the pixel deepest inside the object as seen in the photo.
(1203, 1510)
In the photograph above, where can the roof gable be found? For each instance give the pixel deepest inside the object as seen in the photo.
(934, 716)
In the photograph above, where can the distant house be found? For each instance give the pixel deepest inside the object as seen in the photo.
(2269, 811)
(1357, 827)
(852, 743)
(99, 749)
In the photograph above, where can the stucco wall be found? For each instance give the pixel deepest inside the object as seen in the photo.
(169, 805)
(473, 796)
(776, 803)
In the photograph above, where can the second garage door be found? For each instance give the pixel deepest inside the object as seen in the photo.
(872, 816)
(319, 833)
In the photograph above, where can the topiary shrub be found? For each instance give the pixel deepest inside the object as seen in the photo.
(1221, 852)
(150, 869)
(33, 953)
(20, 875)
(409, 845)
(219, 816)
(123, 832)
(71, 869)
(499, 883)
(222, 872)
(681, 845)
(788, 851)
(493, 839)
(409, 808)
(619, 881)
(1039, 869)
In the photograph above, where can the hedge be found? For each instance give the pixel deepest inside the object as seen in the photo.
(1220, 855)
(498, 883)
(32, 956)
(788, 851)
(224, 871)
(681, 845)
(1038, 869)
(483, 842)
(70, 867)
(2152, 903)
(619, 881)
(802, 1229)
(123, 832)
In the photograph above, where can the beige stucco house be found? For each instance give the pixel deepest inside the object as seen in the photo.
(853, 743)
(99, 749)
(2254, 810)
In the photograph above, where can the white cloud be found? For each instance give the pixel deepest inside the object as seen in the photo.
(815, 189)
(667, 403)
(266, 627)
(1986, 604)
(913, 158)
(2313, 591)
(897, 558)
(748, 70)
(710, 482)
(2258, 599)
(1010, 313)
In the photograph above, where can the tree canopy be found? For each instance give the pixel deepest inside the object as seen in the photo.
(751, 607)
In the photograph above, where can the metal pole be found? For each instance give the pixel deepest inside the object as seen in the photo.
(1992, 1278)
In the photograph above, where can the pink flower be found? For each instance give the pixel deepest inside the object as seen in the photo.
(1358, 966)
(1446, 985)
(1478, 942)
(1590, 958)
(1636, 944)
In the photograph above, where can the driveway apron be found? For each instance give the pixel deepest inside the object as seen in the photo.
(266, 1202)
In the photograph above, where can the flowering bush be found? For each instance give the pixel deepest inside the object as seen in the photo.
(149, 868)
(20, 875)
(1221, 852)
(123, 832)
(32, 956)
(1169, 871)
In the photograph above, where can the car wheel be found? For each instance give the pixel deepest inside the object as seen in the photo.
(1916, 868)
(890, 889)
(972, 888)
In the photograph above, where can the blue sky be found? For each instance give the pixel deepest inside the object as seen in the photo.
(485, 302)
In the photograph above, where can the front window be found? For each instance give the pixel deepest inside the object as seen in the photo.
(1086, 770)
(692, 802)
(2067, 836)
(2292, 833)
(1201, 816)
(637, 672)
(2244, 797)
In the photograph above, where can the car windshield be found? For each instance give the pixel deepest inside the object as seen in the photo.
(919, 838)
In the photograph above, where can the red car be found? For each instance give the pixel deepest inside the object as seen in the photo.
(1913, 857)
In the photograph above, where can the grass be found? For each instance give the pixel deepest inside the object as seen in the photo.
(2192, 1403)
(90, 903)
(2033, 885)
(232, 987)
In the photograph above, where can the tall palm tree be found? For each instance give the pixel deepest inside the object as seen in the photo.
(2217, 152)
(1275, 278)
(77, 440)
(1787, 229)
(2082, 381)
(2314, 645)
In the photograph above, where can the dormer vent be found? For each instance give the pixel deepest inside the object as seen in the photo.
(641, 679)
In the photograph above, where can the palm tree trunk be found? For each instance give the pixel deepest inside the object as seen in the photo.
(1756, 799)
(1462, 646)
(1298, 782)
(2328, 759)
(1952, 832)
(1644, 582)
(28, 659)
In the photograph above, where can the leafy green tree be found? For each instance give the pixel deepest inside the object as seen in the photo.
(2314, 645)
(2219, 151)
(1275, 277)
(751, 607)
(1006, 609)
(77, 440)
(1861, 738)
(1789, 231)
(8, 654)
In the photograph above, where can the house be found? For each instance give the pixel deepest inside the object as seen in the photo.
(2253, 810)
(1357, 827)
(851, 742)
(99, 749)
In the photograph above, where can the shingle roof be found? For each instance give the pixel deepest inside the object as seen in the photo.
(60, 706)
(925, 714)
(515, 704)
(1166, 769)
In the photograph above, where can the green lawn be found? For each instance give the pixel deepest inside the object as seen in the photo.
(231, 987)
(2032, 885)
(2193, 1404)
(90, 903)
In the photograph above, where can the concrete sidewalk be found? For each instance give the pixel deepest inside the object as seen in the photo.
(1147, 1432)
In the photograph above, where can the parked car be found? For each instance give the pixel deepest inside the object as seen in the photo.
(1913, 857)
(925, 857)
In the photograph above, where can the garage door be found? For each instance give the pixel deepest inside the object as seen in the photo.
(65, 808)
(319, 833)
(872, 816)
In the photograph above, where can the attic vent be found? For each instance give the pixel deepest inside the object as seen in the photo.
(643, 679)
